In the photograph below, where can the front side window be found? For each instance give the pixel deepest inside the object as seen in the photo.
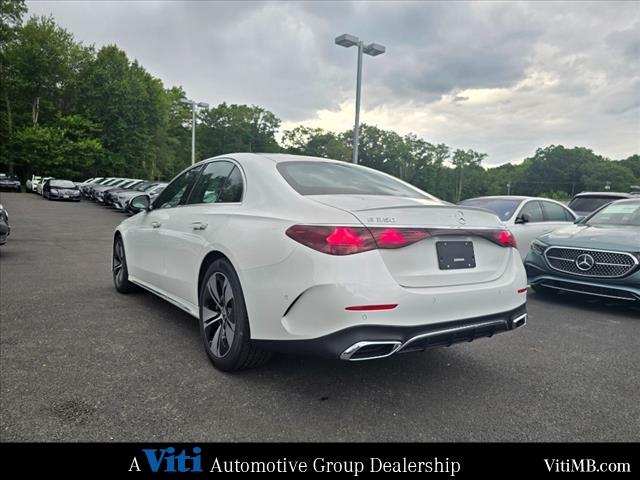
(325, 178)
(556, 213)
(209, 185)
(178, 189)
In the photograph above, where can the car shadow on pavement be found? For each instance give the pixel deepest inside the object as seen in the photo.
(613, 308)
(401, 368)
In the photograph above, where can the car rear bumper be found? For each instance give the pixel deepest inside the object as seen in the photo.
(316, 295)
(368, 342)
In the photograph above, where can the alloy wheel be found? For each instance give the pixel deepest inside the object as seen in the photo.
(118, 261)
(218, 314)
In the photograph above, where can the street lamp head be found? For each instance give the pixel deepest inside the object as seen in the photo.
(374, 49)
(187, 101)
(203, 105)
(347, 40)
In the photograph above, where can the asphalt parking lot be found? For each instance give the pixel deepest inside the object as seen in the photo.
(80, 362)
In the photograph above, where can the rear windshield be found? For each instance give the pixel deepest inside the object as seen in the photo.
(623, 213)
(62, 184)
(504, 208)
(591, 203)
(324, 178)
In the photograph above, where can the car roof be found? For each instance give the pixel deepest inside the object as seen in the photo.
(603, 194)
(274, 157)
(509, 197)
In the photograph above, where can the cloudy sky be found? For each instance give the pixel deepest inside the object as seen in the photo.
(502, 78)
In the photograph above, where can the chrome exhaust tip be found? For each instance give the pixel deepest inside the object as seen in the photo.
(520, 321)
(370, 350)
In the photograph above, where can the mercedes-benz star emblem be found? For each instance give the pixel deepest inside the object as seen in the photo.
(460, 218)
(585, 262)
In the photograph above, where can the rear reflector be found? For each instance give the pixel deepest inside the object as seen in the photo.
(522, 290)
(363, 308)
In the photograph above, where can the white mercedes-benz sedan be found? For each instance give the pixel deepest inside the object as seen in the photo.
(279, 252)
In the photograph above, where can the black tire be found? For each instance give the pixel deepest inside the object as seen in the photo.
(119, 268)
(221, 292)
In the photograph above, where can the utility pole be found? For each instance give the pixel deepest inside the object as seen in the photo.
(193, 124)
(374, 50)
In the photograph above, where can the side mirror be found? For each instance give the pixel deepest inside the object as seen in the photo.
(140, 203)
(578, 219)
(523, 218)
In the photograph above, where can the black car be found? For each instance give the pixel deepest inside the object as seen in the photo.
(9, 183)
(584, 203)
(4, 225)
(56, 189)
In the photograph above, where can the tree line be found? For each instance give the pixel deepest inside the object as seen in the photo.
(74, 111)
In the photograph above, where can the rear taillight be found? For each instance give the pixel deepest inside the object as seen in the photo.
(333, 240)
(343, 240)
(397, 237)
(349, 240)
(505, 238)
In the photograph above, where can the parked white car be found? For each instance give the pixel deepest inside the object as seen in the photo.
(526, 217)
(302, 254)
(32, 183)
(40, 184)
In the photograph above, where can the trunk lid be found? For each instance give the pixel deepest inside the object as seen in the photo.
(417, 265)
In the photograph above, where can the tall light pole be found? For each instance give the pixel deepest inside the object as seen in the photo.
(193, 124)
(373, 49)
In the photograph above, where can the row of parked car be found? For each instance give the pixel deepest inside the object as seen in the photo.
(110, 191)
(118, 192)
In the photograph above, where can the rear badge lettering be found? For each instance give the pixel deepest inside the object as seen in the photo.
(381, 220)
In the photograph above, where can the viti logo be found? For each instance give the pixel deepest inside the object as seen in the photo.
(166, 460)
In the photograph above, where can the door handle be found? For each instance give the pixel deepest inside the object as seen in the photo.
(155, 224)
(199, 225)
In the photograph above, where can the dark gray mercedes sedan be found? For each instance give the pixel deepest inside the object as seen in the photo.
(597, 256)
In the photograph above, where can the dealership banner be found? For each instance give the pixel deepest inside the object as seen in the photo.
(466, 460)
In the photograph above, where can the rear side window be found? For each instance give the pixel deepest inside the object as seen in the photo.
(556, 213)
(534, 211)
(324, 178)
(208, 188)
(233, 187)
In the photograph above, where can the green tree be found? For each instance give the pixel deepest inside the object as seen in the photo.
(131, 107)
(316, 142)
(236, 128)
(466, 161)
